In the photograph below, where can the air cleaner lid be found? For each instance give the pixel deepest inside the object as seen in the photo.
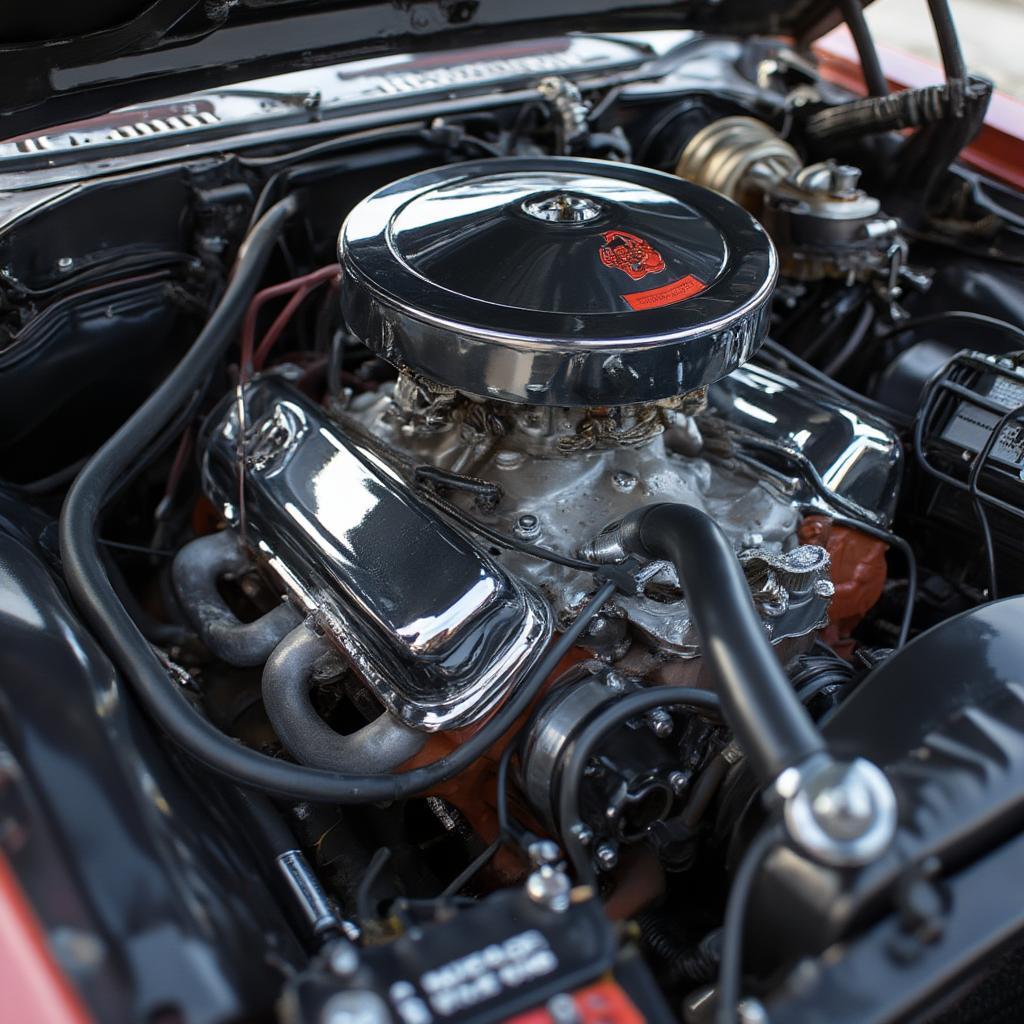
(557, 281)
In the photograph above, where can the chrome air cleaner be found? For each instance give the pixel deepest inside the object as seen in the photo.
(557, 281)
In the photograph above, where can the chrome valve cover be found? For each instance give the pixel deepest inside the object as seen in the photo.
(435, 627)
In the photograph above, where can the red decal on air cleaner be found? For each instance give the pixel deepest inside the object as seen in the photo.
(630, 254)
(667, 294)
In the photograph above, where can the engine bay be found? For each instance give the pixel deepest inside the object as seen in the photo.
(544, 536)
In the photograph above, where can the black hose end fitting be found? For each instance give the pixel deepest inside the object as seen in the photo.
(640, 531)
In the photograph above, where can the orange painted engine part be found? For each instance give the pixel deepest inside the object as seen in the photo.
(858, 573)
(474, 791)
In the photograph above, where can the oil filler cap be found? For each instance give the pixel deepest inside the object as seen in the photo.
(557, 281)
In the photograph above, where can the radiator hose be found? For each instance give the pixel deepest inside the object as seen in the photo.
(759, 704)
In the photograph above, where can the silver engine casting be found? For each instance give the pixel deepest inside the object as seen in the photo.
(561, 475)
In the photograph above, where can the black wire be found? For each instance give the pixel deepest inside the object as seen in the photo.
(478, 862)
(810, 471)
(116, 264)
(730, 971)
(952, 314)
(949, 42)
(504, 820)
(141, 549)
(373, 136)
(893, 540)
(949, 242)
(487, 492)
(866, 404)
(604, 105)
(58, 306)
(364, 910)
(853, 342)
(414, 131)
(506, 828)
(48, 484)
(853, 15)
(839, 311)
(505, 541)
(976, 497)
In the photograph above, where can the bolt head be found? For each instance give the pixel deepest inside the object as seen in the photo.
(562, 1009)
(752, 1011)
(544, 851)
(584, 835)
(660, 722)
(624, 482)
(549, 887)
(527, 526)
(355, 1008)
(844, 178)
(679, 781)
(342, 958)
(845, 809)
(509, 460)
(607, 856)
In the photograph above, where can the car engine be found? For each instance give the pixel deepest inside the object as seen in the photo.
(518, 548)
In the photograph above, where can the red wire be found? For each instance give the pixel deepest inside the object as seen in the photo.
(279, 324)
(306, 281)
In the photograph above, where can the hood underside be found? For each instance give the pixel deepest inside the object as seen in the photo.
(67, 60)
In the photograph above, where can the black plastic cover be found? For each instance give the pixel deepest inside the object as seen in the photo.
(149, 893)
(944, 717)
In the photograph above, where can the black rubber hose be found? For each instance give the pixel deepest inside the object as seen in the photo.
(771, 726)
(956, 315)
(874, 78)
(949, 42)
(911, 108)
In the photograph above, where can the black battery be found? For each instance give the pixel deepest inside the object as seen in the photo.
(969, 437)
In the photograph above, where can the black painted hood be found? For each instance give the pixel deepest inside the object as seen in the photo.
(63, 60)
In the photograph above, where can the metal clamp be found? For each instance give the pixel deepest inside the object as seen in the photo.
(842, 813)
